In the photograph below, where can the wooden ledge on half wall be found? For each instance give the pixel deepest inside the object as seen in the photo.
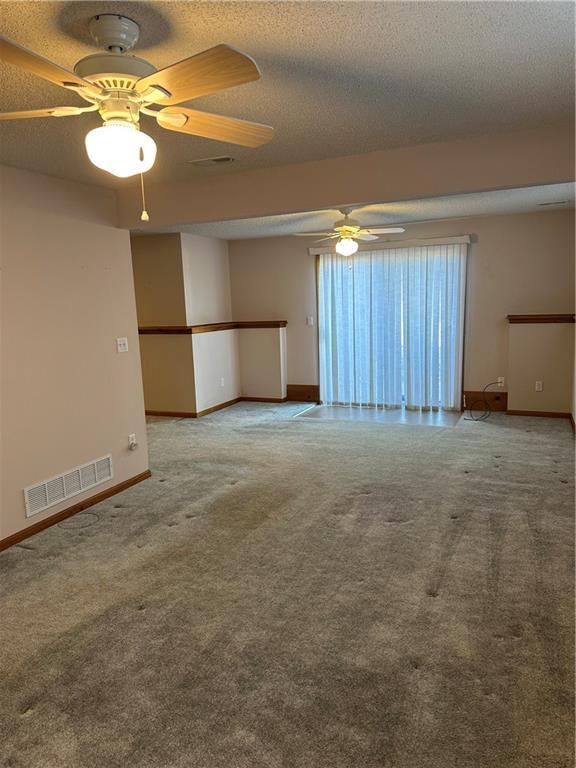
(540, 318)
(209, 327)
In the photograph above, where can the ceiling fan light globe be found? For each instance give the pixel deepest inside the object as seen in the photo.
(120, 149)
(346, 246)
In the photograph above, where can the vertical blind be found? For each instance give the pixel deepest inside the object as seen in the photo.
(391, 326)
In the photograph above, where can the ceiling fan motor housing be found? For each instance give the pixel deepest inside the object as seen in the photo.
(347, 225)
(117, 75)
(113, 71)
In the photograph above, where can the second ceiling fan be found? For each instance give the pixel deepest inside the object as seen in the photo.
(348, 231)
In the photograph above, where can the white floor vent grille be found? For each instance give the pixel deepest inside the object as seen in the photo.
(44, 495)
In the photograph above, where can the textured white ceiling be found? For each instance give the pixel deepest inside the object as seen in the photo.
(453, 207)
(338, 77)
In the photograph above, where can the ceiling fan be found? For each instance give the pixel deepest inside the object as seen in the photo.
(122, 87)
(348, 231)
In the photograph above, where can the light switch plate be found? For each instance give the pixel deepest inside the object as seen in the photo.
(122, 344)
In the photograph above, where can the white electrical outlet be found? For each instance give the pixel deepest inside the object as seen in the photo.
(500, 381)
(539, 386)
(222, 381)
(122, 344)
(309, 320)
(132, 442)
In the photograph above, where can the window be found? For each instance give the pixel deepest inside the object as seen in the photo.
(391, 325)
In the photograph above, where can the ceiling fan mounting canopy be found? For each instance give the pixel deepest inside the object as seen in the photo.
(114, 32)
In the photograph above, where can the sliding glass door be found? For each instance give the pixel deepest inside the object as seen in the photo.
(391, 325)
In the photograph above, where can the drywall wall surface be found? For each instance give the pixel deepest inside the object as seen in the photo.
(167, 366)
(158, 279)
(67, 396)
(275, 279)
(83, 202)
(541, 352)
(262, 362)
(573, 408)
(503, 161)
(168, 373)
(216, 368)
(206, 270)
(283, 361)
(517, 264)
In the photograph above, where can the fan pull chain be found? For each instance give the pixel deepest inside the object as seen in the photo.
(144, 215)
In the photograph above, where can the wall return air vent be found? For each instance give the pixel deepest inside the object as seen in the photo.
(206, 162)
(49, 492)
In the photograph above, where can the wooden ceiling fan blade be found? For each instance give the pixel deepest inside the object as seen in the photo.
(211, 71)
(313, 234)
(359, 236)
(383, 230)
(21, 57)
(330, 237)
(48, 112)
(216, 127)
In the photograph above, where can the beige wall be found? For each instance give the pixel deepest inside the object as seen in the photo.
(518, 264)
(216, 368)
(77, 201)
(262, 362)
(67, 293)
(274, 278)
(191, 374)
(573, 408)
(158, 279)
(507, 160)
(168, 373)
(206, 269)
(181, 279)
(540, 352)
(184, 280)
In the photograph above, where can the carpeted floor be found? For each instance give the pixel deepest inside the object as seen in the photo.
(294, 593)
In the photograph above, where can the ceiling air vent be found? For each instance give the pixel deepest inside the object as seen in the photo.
(205, 162)
(49, 492)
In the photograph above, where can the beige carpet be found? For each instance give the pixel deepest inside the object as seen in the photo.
(298, 593)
